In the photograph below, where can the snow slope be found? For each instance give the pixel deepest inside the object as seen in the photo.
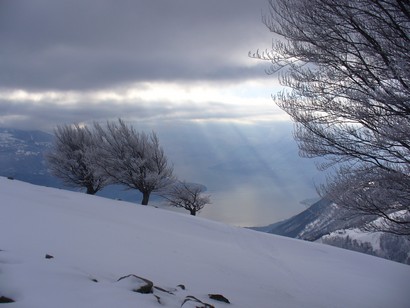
(92, 238)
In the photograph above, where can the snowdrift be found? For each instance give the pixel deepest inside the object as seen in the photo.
(92, 242)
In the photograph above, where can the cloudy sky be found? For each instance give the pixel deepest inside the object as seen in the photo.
(179, 67)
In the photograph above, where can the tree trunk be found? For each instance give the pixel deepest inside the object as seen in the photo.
(193, 212)
(91, 190)
(145, 197)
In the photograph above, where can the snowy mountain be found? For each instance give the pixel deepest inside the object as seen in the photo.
(325, 222)
(65, 249)
(22, 156)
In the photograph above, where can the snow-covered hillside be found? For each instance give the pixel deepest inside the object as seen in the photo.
(95, 241)
(325, 222)
(381, 244)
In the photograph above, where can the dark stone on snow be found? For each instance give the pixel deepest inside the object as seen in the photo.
(10, 178)
(219, 297)
(191, 298)
(49, 256)
(93, 279)
(163, 290)
(5, 300)
(181, 286)
(158, 299)
(146, 286)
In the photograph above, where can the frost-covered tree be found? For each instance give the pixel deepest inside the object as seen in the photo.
(188, 196)
(71, 158)
(346, 68)
(133, 159)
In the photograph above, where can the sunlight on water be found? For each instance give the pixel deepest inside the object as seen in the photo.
(253, 172)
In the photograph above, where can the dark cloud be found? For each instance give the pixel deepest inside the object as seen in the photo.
(75, 44)
(47, 114)
(26, 115)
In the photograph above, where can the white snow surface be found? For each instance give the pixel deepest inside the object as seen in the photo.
(96, 238)
(372, 238)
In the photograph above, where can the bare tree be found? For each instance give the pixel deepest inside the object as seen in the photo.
(71, 158)
(188, 196)
(346, 66)
(363, 191)
(135, 160)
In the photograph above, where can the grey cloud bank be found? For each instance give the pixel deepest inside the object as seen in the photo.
(93, 44)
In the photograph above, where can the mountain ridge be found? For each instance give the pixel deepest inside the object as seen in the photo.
(327, 223)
